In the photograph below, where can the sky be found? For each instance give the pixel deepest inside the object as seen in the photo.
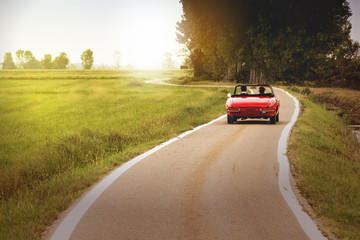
(142, 30)
(355, 19)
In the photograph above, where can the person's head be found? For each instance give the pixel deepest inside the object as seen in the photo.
(243, 88)
(261, 90)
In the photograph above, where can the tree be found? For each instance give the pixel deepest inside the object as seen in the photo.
(20, 58)
(343, 68)
(8, 62)
(186, 63)
(184, 36)
(28, 56)
(61, 61)
(87, 59)
(30, 61)
(47, 62)
(282, 40)
(168, 61)
(291, 39)
(117, 59)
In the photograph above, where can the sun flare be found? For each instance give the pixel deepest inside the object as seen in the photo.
(149, 39)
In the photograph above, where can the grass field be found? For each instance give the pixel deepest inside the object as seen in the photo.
(61, 131)
(326, 160)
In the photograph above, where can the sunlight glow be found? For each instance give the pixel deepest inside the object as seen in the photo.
(141, 30)
(147, 41)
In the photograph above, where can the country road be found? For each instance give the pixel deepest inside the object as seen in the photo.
(220, 182)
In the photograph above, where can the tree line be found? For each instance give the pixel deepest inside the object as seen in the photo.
(296, 41)
(26, 60)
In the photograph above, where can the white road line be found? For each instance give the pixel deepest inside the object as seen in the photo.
(307, 224)
(67, 226)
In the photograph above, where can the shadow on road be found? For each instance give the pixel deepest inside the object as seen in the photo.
(258, 122)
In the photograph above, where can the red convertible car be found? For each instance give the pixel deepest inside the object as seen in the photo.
(252, 101)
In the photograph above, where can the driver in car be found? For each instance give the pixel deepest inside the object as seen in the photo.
(243, 90)
(261, 90)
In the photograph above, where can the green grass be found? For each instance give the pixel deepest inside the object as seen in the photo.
(188, 80)
(61, 131)
(326, 157)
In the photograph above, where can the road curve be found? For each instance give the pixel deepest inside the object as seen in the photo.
(220, 182)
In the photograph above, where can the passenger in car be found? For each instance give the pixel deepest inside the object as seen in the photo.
(243, 90)
(261, 90)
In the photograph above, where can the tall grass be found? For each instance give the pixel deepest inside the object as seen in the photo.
(62, 130)
(326, 157)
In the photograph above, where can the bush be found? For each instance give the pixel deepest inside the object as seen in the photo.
(203, 77)
(135, 83)
(294, 89)
(306, 91)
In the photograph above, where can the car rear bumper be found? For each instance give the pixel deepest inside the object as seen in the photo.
(251, 112)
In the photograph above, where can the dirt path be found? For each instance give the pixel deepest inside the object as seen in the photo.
(163, 81)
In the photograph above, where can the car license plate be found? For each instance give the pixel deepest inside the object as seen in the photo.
(251, 110)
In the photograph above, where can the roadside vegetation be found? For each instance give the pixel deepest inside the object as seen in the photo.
(326, 160)
(61, 131)
(345, 102)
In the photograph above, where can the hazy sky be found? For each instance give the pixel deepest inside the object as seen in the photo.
(142, 30)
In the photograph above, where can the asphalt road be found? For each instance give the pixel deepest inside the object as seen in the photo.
(220, 182)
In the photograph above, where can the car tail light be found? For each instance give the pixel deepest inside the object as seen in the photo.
(271, 103)
(266, 111)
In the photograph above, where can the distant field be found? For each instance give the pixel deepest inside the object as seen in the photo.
(62, 130)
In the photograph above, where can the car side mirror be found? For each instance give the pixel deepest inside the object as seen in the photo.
(229, 95)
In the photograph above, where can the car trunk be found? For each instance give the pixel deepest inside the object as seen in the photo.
(257, 102)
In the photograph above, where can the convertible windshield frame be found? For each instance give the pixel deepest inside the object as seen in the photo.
(269, 94)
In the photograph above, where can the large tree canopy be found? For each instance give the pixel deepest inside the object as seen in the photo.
(285, 40)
